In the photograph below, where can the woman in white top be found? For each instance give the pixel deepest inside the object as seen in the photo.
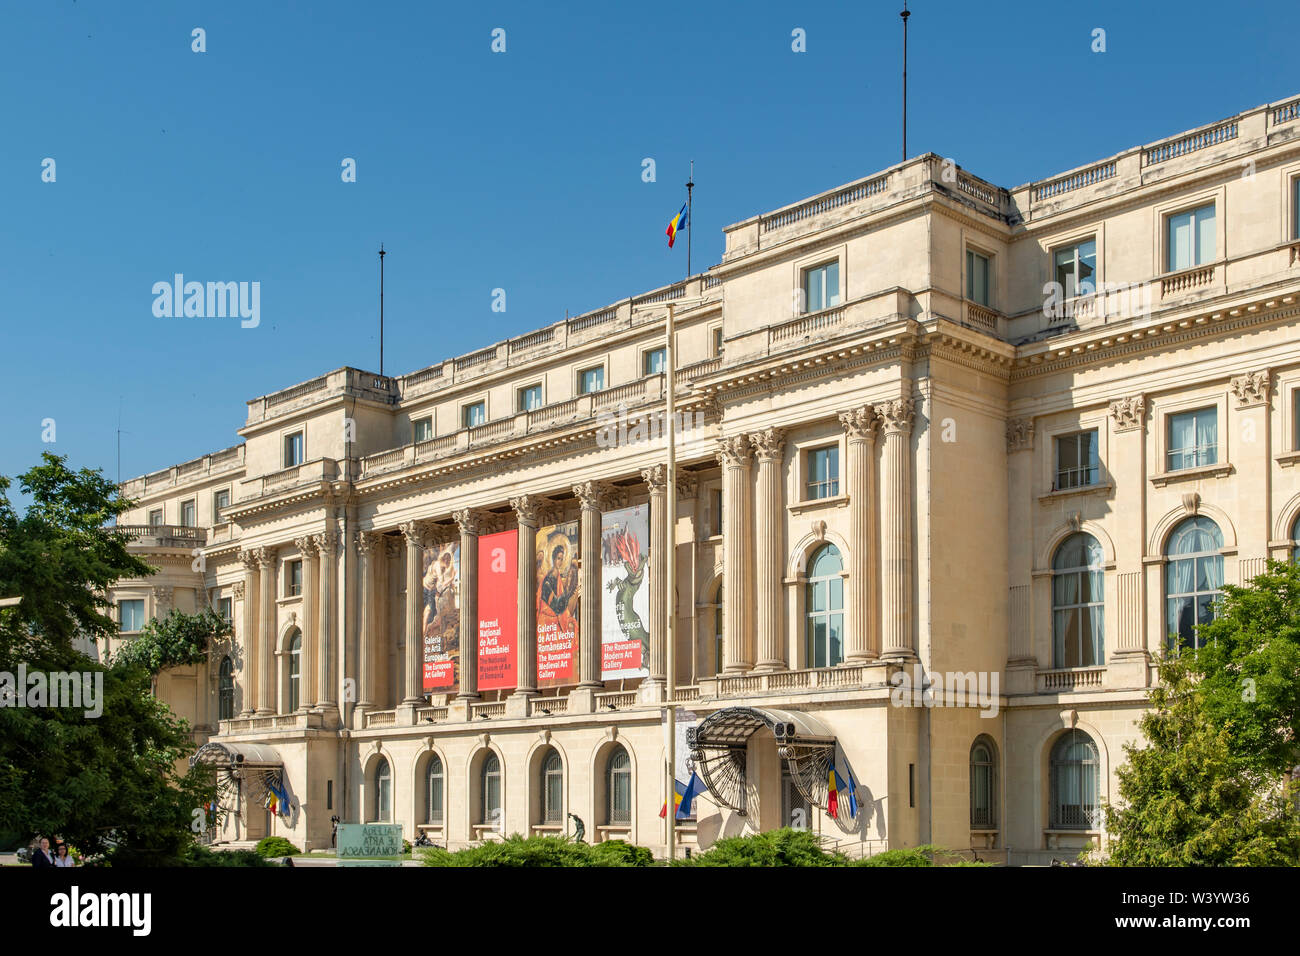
(62, 857)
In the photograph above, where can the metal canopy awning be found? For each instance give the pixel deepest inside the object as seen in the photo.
(719, 747)
(226, 756)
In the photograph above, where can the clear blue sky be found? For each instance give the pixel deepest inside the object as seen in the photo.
(478, 170)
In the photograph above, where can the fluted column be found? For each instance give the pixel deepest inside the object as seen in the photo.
(310, 593)
(769, 446)
(589, 614)
(526, 637)
(249, 628)
(325, 623)
(656, 479)
(369, 545)
(469, 522)
(414, 535)
(737, 643)
(896, 530)
(266, 685)
(863, 643)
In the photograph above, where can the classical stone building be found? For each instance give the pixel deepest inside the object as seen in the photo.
(1003, 442)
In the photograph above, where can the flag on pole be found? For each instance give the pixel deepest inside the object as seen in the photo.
(676, 225)
(838, 786)
(832, 795)
(684, 797)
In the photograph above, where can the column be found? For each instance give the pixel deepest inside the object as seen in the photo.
(469, 522)
(525, 507)
(769, 447)
(656, 479)
(266, 684)
(311, 592)
(325, 621)
(737, 649)
(249, 635)
(863, 642)
(589, 614)
(369, 547)
(414, 535)
(896, 531)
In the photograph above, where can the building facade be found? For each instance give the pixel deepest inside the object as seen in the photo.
(955, 462)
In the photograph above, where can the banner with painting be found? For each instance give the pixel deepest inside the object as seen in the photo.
(498, 602)
(441, 622)
(625, 573)
(559, 577)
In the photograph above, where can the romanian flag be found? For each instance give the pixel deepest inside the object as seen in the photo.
(837, 785)
(684, 797)
(676, 225)
(832, 796)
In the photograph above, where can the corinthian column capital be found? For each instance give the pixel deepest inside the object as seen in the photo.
(248, 559)
(769, 444)
(733, 452)
(590, 493)
(861, 422)
(367, 541)
(468, 520)
(655, 477)
(896, 416)
(525, 508)
(265, 558)
(413, 532)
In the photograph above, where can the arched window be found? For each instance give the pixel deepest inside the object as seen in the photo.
(434, 790)
(383, 792)
(618, 785)
(1078, 635)
(983, 785)
(717, 633)
(491, 789)
(1193, 576)
(226, 690)
(295, 670)
(1295, 540)
(1075, 775)
(552, 789)
(825, 607)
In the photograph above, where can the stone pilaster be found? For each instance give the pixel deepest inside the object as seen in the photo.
(769, 447)
(896, 532)
(412, 658)
(656, 479)
(310, 596)
(863, 640)
(325, 544)
(266, 684)
(249, 628)
(469, 523)
(370, 547)
(737, 511)
(590, 493)
(525, 507)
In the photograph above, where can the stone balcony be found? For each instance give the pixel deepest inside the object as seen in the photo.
(165, 536)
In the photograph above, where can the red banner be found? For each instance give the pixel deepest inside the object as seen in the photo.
(498, 595)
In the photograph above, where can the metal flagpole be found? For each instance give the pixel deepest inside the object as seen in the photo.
(670, 586)
(381, 309)
(904, 15)
(690, 218)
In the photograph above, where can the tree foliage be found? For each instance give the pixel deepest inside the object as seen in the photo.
(519, 851)
(177, 640)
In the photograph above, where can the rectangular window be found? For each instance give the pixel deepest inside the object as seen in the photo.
(1295, 420)
(530, 398)
(591, 380)
(188, 514)
(1076, 461)
(717, 340)
(422, 428)
(654, 361)
(329, 794)
(293, 449)
(226, 609)
(475, 415)
(1193, 439)
(131, 615)
(1191, 238)
(821, 287)
(156, 517)
(823, 472)
(977, 278)
(293, 579)
(220, 502)
(1295, 208)
(1075, 269)
(716, 511)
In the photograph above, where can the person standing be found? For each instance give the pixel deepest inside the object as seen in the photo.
(41, 856)
(63, 857)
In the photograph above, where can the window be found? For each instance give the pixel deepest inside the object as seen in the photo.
(821, 287)
(1191, 238)
(131, 615)
(220, 502)
(717, 340)
(1078, 605)
(619, 787)
(491, 804)
(654, 361)
(591, 380)
(434, 791)
(1075, 268)
(226, 609)
(1193, 576)
(1295, 541)
(977, 277)
(422, 428)
(295, 671)
(717, 634)
(383, 792)
(1076, 461)
(293, 449)
(474, 415)
(553, 789)
(226, 690)
(188, 514)
(156, 518)
(983, 785)
(715, 512)
(1295, 208)
(1075, 783)
(1193, 439)
(293, 579)
(530, 398)
(823, 472)
(825, 614)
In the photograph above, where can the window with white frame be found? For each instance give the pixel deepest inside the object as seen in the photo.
(978, 278)
(1190, 238)
(1075, 268)
(983, 784)
(654, 361)
(552, 789)
(293, 450)
(1193, 579)
(155, 518)
(433, 781)
(220, 502)
(383, 808)
(130, 615)
(1077, 465)
(530, 398)
(823, 473)
(293, 579)
(1075, 783)
(821, 287)
(189, 513)
(1193, 439)
(422, 428)
(618, 783)
(226, 609)
(490, 794)
(474, 414)
(591, 380)
(1295, 541)
(1295, 208)
(824, 611)
(717, 340)
(295, 670)
(1078, 603)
